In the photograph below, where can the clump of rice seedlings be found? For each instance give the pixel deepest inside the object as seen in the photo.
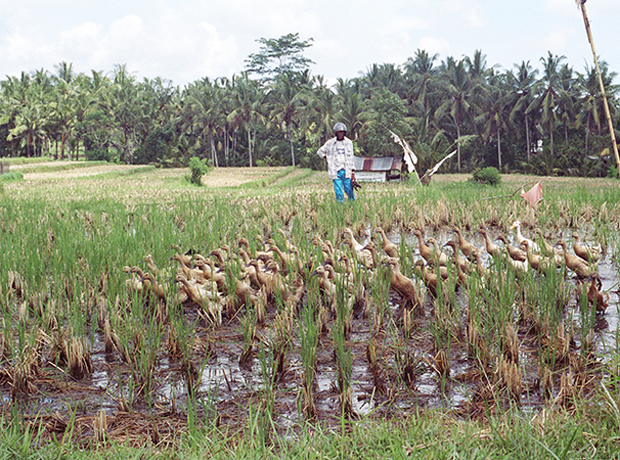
(408, 363)
(16, 285)
(145, 360)
(440, 364)
(268, 367)
(380, 295)
(309, 340)
(510, 344)
(181, 346)
(22, 366)
(554, 347)
(344, 357)
(479, 329)
(510, 376)
(79, 357)
(568, 391)
(100, 427)
(280, 341)
(248, 332)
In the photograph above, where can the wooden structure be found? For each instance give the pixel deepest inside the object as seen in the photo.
(377, 169)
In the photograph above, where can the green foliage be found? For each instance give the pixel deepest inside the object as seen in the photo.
(156, 146)
(197, 168)
(389, 115)
(13, 176)
(278, 113)
(279, 55)
(488, 176)
(99, 154)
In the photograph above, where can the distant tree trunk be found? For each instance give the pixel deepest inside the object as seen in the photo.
(250, 145)
(499, 151)
(587, 134)
(226, 149)
(213, 150)
(551, 137)
(527, 138)
(458, 147)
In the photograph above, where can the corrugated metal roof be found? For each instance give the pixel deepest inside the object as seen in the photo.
(377, 163)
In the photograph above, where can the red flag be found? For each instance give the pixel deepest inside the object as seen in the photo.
(533, 196)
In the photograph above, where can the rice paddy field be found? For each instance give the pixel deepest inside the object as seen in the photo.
(141, 316)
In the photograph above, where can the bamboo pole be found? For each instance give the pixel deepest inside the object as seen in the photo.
(582, 6)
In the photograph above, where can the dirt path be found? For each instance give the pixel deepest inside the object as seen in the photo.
(232, 177)
(79, 172)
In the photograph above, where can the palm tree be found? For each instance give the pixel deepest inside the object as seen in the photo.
(522, 81)
(495, 112)
(455, 90)
(592, 112)
(124, 95)
(287, 97)
(249, 99)
(354, 110)
(201, 113)
(547, 89)
(421, 79)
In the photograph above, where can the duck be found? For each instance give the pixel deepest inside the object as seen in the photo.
(347, 234)
(536, 261)
(326, 287)
(514, 253)
(595, 296)
(438, 257)
(196, 292)
(208, 274)
(492, 249)
(590, 254)
(289, 261)
(549, 250)
(430, 279)
(134, 283)
(364, 254)
(576, 264)
(461, 262)
(151, 284)
(403, 285)
(243, 294)
(483, 271)
(290, 247)
(465, 246)
(425, 251)
(519, 238)
(388, 247)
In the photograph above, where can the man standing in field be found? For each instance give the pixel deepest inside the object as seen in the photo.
(339, 154)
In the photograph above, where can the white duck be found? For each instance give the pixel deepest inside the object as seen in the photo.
(519, 238)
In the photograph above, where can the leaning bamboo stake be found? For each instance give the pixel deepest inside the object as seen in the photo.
(586, 21)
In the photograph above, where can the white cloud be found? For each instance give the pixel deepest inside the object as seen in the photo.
(556, 40)
(435, 45)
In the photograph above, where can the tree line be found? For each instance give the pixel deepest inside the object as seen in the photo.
(276, 112)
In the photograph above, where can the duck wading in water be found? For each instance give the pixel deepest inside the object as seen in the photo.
(339, 154)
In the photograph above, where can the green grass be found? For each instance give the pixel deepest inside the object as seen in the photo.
(65, 239)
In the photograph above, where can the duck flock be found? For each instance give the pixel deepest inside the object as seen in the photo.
(227, 278)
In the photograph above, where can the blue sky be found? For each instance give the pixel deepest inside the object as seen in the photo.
(187, 40)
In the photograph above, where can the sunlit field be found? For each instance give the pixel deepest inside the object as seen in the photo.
(254, 316)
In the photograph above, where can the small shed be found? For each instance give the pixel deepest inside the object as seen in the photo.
(377, 169)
